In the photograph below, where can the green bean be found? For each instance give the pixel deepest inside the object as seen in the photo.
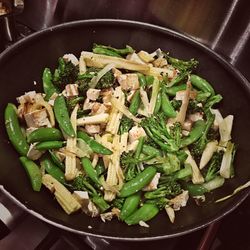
(46, 145)
(166, 106)
(139, 182)
(158, 103)
(14, 131)
(135, 102)
(144, 213)
(201, 84)
(89, 170)
(130, 205)
(94, 145)
(194, 134)
(33, 172)
(62, 116)
(56, 160)
(52, 169)
(171, 91)
(48, 87)
(45, 134)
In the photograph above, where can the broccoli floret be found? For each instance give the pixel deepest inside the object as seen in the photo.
(118, 203)
(213, 134)
(180, 64)
(66, 73)
(110, 51)
(107, 81)
(159, 202)
(156, 129)
(125, 125)
(71, 102)
(83, 183)
(193, 107)
(176, 133)
(198, 147)
(214, 166)
(176, 104)
(169, 189)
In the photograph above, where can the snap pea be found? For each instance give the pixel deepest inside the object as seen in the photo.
(46, 145)
(149, 80)
(194, 134)
(196, 189)
(33, 172)
(62, 116)
(142, 80)
(135, 102)
(130, 205)
(14, 130)
(94, 145)
(166, 106)
(105, 51)
(149, 150)
(171, 91)
(100, 202)
(48, 87)
(139, 182)
(201, 84)
(45, 134)
(52, 169)
(89, 170)
(144, 213)
(56, 160)
(158, 103)
(100, 169)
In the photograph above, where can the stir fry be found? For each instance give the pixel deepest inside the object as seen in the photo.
(120, 133)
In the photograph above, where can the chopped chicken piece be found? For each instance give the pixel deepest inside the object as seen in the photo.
(135, 133)
(129, 81)
(160, 62)
(153, 184)
(179, 201)
(99, 108)
(106, 96)
(72, 58)
(93, 129)
(195, 117)
(106, 216)
(71, 90)
(28, 97)
(87, 104)
(23, 109)
(187, 125)
(93, 94)
(87, 205)
(135, 58)
(180, 95)
(33, 153)
(37, 118)
(116, 72)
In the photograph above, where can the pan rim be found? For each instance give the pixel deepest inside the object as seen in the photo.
(220, 59)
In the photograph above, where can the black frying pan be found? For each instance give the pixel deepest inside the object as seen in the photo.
(24, 62)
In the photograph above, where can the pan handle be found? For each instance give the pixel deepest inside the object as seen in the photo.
(10, 215)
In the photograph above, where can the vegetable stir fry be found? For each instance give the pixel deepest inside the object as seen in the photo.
(120, 133)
